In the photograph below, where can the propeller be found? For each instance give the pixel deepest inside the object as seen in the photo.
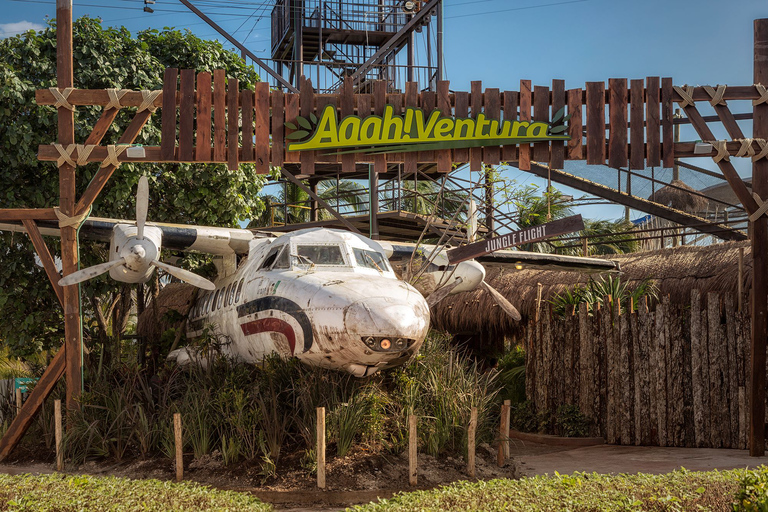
(138, 252)
(502, 301)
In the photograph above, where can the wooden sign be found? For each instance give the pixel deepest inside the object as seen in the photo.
(515, 238)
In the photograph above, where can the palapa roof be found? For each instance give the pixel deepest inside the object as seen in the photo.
(677, 195)
(676, 271)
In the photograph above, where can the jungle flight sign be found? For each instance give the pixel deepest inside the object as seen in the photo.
(523, 236)
(414, 131)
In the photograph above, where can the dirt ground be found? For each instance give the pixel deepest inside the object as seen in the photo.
(359, 477)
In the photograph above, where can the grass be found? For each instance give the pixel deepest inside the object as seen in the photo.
(74, 493)
(677, 491)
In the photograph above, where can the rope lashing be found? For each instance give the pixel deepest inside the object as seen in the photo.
(112, 153)
(148, 100)
(763, 150)
(746, 148)
(115, 95)
(761, 90)
(61, 96)
(65, 154)
(716, 95)
(66, 221)
(763, 207)
(722, 150)
(686, 93)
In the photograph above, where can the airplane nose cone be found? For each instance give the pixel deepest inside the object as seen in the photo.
(382, 316)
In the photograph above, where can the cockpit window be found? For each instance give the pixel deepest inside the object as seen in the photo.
(283, 259)
(370, 259)
(271, 255)
(321, 254)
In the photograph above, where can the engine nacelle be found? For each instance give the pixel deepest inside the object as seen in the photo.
(138, 254)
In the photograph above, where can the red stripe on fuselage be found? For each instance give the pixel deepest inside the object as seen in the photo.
(271, 325)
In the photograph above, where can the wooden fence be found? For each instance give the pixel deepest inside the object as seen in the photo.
(673, 376)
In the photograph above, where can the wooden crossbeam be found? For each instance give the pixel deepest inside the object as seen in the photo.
(94, 97)
(27, 213)
(45, 257)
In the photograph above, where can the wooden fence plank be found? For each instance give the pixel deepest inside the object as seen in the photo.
(306, 108)
(277, 121)
(492, 155)
(667, 115)
(586, 369)
(742, 348)
(187, 115)
(476, 154)
(652, 140)
(508, 152)
(715, 370)
(444, 157)
(698, 378)
(412, 101)
(617, 152)
(396, 100)
(379, 102)
(460, 155)
(291, 112)
(596, 123)
(168, 118)
(575, 125)
(203, 118)
(611, 357)
(347, 104)
(233, 123)
(642, 380)
(247, 102)
(219, 116)
(675, 371)
(626, 407)
(261, 127)
(660, 373)
(524, 150)
(636, 125)
(558, 101)
(731, 363)
(541, 113)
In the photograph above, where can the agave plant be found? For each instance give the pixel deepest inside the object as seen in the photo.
(596, 291)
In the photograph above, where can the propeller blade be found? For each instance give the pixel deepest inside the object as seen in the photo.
(185, 275)
(502, 301)
(90, 272)
(442, 292)
(142, 204)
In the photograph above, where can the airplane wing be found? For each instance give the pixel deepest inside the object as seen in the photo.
(180, 237)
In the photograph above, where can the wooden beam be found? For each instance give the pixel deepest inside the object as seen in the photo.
(759, 256)
(102, 125)
(27, 213)
(94, 97)
(45, 257)
(637, 203)
(32, 406)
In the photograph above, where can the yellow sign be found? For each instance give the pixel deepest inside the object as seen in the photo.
(413, 131)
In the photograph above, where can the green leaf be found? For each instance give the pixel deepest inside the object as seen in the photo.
(291, 126)
(297, 135)
(303, 123)
(558, 129)
(313, 118)
(558, 114)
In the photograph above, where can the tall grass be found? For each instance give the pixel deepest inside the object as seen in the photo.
(253, 414)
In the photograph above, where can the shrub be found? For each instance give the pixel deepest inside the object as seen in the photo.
(752, 495)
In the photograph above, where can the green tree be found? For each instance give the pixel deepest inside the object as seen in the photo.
(185, 193)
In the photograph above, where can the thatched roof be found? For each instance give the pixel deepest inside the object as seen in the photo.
(153, 322)
(672, 195)
(676, 271)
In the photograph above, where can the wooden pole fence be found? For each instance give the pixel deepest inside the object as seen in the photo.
(471, 442)
(58, 435)
(412, 450)
(321, 447)
(179, 447)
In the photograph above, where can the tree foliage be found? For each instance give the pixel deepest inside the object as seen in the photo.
(183, 193)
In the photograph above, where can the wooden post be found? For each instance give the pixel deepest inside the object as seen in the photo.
(66, 128)
(18, 401)
(321, 447)
(585, 247)
(57, 423)
(179, 446)
(506, 418)
(471, 433)
(759, 255)
(412, 455)
(503, 434)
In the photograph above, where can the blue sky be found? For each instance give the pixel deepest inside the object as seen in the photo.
(501, 42)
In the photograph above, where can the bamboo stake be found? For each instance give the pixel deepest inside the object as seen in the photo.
(471, 443)
(321, 447)
(57, 423)
(179, 452)
(18, 401)
(412, 457)
(507, 406)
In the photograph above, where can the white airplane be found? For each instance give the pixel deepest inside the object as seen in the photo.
(328, 297)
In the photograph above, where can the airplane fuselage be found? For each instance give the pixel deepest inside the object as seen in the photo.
(329, 298)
